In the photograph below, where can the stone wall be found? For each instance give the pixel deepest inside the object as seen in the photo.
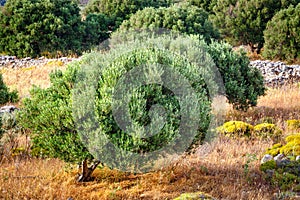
(13, 62)
(277, 73)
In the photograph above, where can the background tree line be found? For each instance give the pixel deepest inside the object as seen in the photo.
(56, 27)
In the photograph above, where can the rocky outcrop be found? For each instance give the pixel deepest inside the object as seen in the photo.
(8, 109)
(277, 73)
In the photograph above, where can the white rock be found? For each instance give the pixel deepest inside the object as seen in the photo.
(279, 157)
(266, 158)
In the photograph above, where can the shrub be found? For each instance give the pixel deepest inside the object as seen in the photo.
(48, 114)
(207, 5)
(96, 30)
(194, 196)
(33, 27)
(183, 18)
(282, 35)
(243, 84)
(236, 129)
(291, 148)
(243, 21)
(5, 94)
(118, 10)
(267, 130)
(293, 124)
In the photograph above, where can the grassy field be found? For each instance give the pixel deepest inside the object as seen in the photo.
(225, 169)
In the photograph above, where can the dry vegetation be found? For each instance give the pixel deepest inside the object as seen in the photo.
(226, 169)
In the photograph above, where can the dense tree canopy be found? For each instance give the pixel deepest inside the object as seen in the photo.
(282, 35)
(119, 10)
(243, 21)
(205, 4)
(32, 27)
(52, 28)
(179, 17)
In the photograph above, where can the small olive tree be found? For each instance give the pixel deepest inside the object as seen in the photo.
(48, 113)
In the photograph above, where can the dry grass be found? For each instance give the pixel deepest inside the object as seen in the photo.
(221, 173)
(22, 79)
(222, 169)
(278, 105)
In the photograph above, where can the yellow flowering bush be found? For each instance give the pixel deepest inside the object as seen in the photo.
(236, 129)
(291, 148)
(293, 124)
(267, 130)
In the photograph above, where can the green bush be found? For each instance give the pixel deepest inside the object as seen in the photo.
(96, 30)
(205, 4)
(183, 18)
(37, 27)
(282, 35)
(118, 10)
(243, 84)
(5, 94)
(243, 21)
(48, 114)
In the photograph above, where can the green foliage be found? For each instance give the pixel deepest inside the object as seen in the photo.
(236, 129)
(243, 84)
(48, 114)
(5, 94)
(122, 60)
(285, 176)
(282, 35)
(118, 10)
(36, 27)
(183, 18)
(270, 165)
(243, 21)
(207, 5)
(96, 30)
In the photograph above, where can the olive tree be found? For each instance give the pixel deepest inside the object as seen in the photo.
(57, 116)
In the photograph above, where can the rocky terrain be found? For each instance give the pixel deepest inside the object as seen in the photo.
(275, 73)
(13, 62)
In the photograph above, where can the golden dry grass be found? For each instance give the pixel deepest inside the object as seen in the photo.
(221, 173)
(278, 105)
(22, 79)
(222, 170)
